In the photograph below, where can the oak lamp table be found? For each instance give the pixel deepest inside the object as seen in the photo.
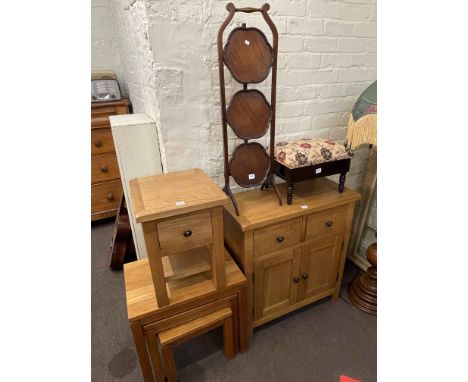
(291, 255)
(188, 274)
(182, 220)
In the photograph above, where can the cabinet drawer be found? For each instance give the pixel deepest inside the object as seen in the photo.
(101, 141)
(277, 236)
(184, 230)
(326, 222)
(106, 196)
(104, 167)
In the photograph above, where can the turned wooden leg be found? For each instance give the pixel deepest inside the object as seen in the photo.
(228, 337)
(169, 364)
(342, 182)
(290, 192)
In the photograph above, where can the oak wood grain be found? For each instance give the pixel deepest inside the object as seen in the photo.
(176, 193)
(260, 208)
(173, 233)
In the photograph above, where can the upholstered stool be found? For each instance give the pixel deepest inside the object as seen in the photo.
(304, 159)
(184, 332)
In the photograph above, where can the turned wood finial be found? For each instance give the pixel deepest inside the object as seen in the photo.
(372, 254)
(363, 290)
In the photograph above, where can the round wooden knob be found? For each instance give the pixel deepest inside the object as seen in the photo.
(110, 197)
(328, 223)
(305, 276)
(104, 169)
(98, 143)
(296, 280)
(280, 239)
(187, 233)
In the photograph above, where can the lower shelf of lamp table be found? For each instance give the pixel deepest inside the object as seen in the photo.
(186, 264)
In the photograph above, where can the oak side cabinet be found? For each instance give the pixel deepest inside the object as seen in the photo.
(292, 255)
(106, 186)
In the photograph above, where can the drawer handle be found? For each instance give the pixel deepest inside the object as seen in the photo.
(305, 276)
(280, 239)
(110, 197)
(104, 169)
(296, 280)
(98, 143)
(187, 233)
(328, 223)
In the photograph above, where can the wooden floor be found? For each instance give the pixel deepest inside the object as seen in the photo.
(316, 343)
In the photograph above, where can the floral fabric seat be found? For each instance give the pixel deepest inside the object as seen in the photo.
(307, 159)
(309, 152)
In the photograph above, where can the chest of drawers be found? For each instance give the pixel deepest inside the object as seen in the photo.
(106, 186)
(292, 255)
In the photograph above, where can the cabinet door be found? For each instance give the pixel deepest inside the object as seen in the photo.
(274, 285)
(319, 265)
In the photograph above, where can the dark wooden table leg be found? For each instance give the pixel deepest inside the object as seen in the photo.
(342, 182)
(290, 192)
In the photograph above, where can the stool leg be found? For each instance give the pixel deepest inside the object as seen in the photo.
(228, 335)
(169, 364)
(290, 192)
(342, 181)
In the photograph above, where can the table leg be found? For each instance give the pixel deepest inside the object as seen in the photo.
(140, 345)
(169, 364)
(245, 330)
(228, 338)
(155, 357)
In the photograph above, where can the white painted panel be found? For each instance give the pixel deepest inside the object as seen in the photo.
(137, 148)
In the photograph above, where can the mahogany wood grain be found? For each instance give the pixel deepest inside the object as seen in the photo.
(104, 167)
(249, 114)
(363, 289)
(249, 164)
(102, 141)
(106, 196)
(248, 55)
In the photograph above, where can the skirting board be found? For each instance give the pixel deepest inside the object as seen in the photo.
(137, 149)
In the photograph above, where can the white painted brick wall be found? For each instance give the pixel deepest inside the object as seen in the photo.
(140, 76)
(104, 42)
(327, 57)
